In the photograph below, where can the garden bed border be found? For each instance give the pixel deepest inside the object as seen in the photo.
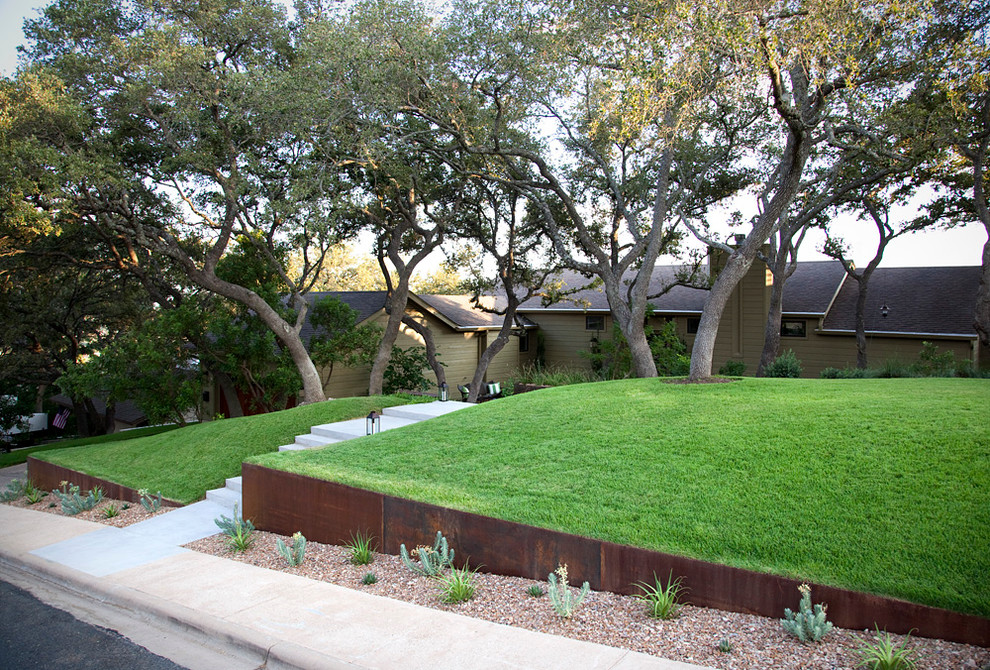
(328, 512)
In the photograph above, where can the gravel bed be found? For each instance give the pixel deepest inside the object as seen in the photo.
(127, 512)
(604, 618)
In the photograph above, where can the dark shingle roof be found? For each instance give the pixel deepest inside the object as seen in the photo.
(811, 288)
(920, 300)
(458, 310)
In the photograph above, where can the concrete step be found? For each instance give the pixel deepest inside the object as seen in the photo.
(311, 440)
(224, 498)
(348, 430)
(234, 484)
(426, 410)
(293, 447)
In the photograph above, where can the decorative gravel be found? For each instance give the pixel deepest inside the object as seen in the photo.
(132, 513)
(605, 618)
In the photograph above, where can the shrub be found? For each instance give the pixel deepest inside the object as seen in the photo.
(732, 369)
(552, 375)
(457, 587)
(405, 371)
(931, 363)
(293, 555)
(563, 600)
(785, 365)
(885, 655)
(669, 351)
(239, 531)
(431, 561)
(362, 553)
(809, 624)
(894, 369)
(662, 602)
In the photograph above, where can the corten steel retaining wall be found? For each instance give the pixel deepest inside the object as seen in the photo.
(47, 476)
(328, 512)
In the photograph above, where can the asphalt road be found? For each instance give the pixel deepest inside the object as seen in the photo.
(35, 635)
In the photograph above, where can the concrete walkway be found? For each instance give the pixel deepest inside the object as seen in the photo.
(253, 617)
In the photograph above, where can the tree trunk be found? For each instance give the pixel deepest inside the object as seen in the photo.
(287, 335)
(630, 319)
(771, 332)
(226, 385)
(711, 313)
(982, 320)
(396, 308)
(861, 321)
(431, 347)
(493, 349)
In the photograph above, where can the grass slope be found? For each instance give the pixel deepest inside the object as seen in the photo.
(21, 455)
(183, 464)
(874, 485)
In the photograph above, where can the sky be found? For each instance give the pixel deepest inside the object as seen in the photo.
(961, 246)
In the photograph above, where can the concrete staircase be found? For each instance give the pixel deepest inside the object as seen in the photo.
(330, 433)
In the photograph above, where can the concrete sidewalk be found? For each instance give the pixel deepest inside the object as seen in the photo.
(278, 620)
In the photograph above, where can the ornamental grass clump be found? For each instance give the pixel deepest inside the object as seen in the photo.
(662, 601)
(561, 597)
(457, 587)
(430, 561)
(362, 551)
(885, 655)
(239, 531)
(810, 623)
(293, 555)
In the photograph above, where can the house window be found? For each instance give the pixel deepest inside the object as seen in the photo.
(524, 342)
(594, 322)
(693, 323)
(793, 329)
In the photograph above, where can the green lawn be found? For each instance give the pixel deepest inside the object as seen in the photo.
(21, 455)
(183, 464)
(876, 485)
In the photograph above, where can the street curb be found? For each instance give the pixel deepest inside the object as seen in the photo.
(269, 652)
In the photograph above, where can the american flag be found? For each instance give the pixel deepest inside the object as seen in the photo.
(60, 418)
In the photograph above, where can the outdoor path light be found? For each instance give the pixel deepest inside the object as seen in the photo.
(443, 392)
(374, 423)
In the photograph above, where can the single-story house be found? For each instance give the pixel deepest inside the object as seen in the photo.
(905, 307)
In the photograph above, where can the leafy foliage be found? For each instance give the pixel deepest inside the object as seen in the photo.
(732, 368)
(785, 365)
(406, 371)
(338, 339)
